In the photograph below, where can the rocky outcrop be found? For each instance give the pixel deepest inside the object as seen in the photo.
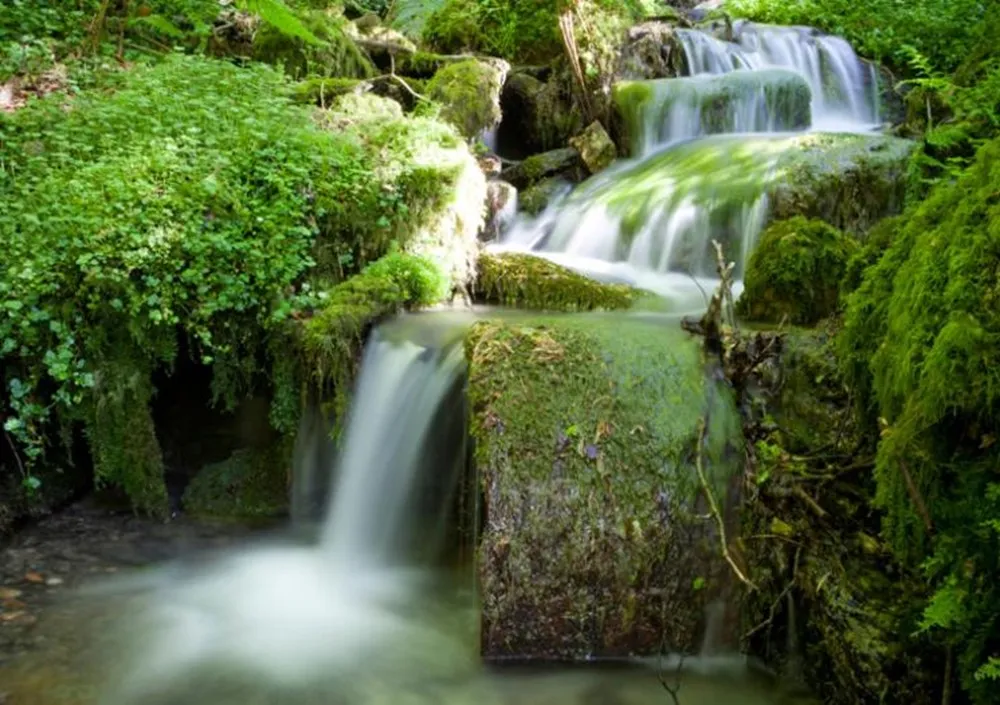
(539, 115)
(584, 433)
(651, 51)
(595, 147)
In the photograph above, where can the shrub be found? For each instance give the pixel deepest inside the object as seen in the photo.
(193, 201)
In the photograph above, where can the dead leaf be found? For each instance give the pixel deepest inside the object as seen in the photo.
(9, 593)
(33, 577)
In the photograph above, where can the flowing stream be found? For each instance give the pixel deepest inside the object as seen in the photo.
(706, 148)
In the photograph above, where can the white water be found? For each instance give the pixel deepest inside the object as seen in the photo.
(843, 87)
(353, 606)
(593, 229)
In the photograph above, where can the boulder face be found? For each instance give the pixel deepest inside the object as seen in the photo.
(596, 148)
(651, 51)
(595, 544)
(469, 92)
(537, 115)
(541, 166)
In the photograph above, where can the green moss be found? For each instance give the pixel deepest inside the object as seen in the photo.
(584, 428)
(250, 484)
(540, 166)
(920, 350)
(795, 272)
(322, 91)
(526, 281)
(334, 335)
(469, 92)
(335, 55)
(121, 432)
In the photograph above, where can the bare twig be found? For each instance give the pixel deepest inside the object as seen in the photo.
(777, 601)
(17, 456)
(675, 688)
(714, 506)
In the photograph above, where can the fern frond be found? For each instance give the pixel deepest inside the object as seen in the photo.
(161, 24)
(410, 16)
(277, 14)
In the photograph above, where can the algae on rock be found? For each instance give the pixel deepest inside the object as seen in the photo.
(469, 92)
(584, 430)
(252, 483)
(526, 281)
(336, 54)
(795, 272)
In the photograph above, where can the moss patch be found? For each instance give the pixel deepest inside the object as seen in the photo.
(526, 281)
(534, 199)
(335, 55)
(250, 484)
(469, 92)
(795, 272)
(334, 335)
(584, 429)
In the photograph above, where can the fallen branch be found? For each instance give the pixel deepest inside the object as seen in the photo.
(714, 507)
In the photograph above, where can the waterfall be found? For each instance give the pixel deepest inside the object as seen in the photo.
(706, 149)
(362, 607)
(843, 87)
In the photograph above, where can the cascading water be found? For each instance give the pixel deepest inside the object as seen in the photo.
(706, 147)
(363, 604)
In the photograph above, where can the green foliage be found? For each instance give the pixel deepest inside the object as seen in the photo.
(794, 273)
(410, 16)
(195, 199)
(525, 281)
(326, 51)
(920, 349)
(945, 31)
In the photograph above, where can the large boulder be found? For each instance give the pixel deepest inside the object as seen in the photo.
(585, 429)
(469, 92)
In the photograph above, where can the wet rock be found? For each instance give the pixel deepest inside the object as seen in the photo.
(537, 115)
(701, 11)
(534, 199)
(469, 92)
(540, 166)
(591, 546)
(595, 146)
(501, 206)
(651, 51)
(251, 483)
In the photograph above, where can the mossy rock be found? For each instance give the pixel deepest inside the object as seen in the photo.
(526, 281)
(850, 181)
(541, 166)
(534, 199)
(795, 272)
(651, 51)
(469, 92)
(584, 429)
(334, 335)
(251, 484)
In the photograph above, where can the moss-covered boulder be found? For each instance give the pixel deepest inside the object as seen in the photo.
(768, 100)
(536, 198)
(469, 92)
(849, 181)
(526, 281)
(565, 161)
(252, 483)
(584, 432)
(795, 272)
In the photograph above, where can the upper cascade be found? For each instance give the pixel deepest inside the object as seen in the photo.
(844, 88)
